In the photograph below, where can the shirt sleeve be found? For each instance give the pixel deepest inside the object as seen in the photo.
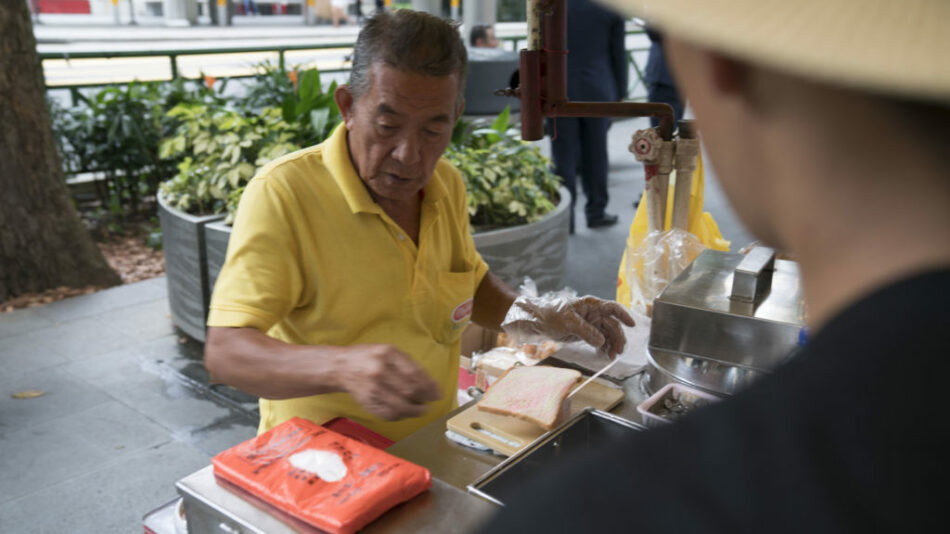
(261, 280)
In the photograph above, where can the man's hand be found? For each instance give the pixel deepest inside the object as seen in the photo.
(385, 381)
(591, 319)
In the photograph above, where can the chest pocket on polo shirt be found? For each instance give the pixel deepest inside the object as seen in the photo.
(454, 300)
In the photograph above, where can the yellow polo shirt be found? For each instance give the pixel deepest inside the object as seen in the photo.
(312, 259)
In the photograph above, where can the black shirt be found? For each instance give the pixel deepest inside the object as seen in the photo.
(851, 435)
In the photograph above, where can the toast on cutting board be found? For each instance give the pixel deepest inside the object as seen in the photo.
(536, 394)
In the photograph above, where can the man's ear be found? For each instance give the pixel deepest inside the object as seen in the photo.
(344, 100)
(728, 75)
(720, 75)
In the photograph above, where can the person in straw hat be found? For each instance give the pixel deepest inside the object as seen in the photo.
(827, 121)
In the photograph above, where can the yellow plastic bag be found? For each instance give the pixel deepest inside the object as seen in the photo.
(701, 224)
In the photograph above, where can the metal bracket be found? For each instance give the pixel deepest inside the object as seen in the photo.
(752, 279)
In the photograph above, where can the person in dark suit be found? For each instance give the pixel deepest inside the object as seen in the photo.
(659, 81)
(596, 72)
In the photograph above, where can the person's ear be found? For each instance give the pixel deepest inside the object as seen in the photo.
(345, 102)
(728, 76)
(720, 75)
(460, 108)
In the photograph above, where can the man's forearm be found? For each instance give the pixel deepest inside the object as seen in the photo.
(492, 300)
(266, 367)
(384, 381)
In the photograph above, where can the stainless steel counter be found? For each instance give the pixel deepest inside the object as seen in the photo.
(459, 466)
(447, 507)
(210, 508)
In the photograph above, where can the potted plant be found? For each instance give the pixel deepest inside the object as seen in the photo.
(220, 148)
(520, 214)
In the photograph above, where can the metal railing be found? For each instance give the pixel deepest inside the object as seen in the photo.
(173, 56)
(281, 51)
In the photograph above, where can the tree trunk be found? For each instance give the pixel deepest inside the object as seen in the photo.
(43, 242)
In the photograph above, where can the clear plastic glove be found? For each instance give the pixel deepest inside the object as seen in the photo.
(561, 318)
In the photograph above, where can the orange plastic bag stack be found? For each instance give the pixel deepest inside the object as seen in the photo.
(325, 479)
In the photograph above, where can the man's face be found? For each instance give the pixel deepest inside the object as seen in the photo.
(731, 133)
(398, 129)
(489, 41)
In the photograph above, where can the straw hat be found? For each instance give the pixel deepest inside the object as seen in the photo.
(896, 47)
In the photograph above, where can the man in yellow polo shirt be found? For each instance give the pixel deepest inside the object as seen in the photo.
(351, 271)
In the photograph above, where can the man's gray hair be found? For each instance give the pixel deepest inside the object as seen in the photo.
(408, 41)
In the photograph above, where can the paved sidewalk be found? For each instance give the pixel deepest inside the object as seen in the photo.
(84, 28)
(127, 410)
(120, 421)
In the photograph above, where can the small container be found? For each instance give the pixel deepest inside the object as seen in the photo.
(671, 402)
(166, 519)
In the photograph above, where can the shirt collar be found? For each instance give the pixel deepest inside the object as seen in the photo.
(337, 159)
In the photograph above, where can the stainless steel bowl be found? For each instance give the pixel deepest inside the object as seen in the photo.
(707, 375)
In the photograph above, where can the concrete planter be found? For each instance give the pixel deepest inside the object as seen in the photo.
(216, 247)
(538, 250)
(189, 292)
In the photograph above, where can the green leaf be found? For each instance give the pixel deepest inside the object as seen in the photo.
(309, 85)
(319, 119)
(246, 170)
(316, 81)
(154, 240)
(165, 148)
(501, 122)
(228, 123)
(460, 132)
(289, 109)
(486, 135)
(234, 177)
(302, 109)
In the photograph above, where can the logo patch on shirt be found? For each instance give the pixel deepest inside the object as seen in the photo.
(462, 312)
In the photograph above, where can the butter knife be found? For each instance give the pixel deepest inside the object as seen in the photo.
(595, 375)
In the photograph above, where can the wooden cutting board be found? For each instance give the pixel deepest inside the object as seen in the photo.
(508, 435)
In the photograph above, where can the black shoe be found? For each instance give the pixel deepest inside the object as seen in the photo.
(602, 221)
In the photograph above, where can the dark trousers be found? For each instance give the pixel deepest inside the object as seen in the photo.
(657, 92)
(580, 144)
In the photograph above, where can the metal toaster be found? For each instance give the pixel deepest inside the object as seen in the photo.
(725, 320)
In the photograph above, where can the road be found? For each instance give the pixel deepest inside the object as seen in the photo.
(156, 40)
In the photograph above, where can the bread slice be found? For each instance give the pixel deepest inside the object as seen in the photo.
(533, 393)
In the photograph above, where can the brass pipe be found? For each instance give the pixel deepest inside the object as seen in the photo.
(660, 110)
(534, 24)
(687, 147)
(543, 85)
(532, 118)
